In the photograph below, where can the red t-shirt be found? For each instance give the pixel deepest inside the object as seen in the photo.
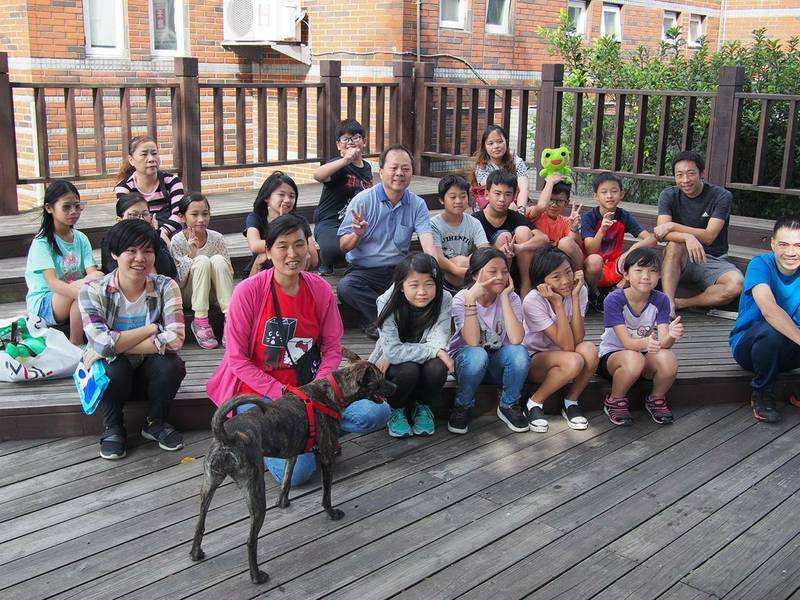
(300, 325)
(555, 229)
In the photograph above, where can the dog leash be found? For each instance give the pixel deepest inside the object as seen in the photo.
(313, 405)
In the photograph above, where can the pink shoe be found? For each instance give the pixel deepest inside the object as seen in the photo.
(204, 335)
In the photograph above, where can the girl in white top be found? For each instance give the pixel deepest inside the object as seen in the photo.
(638, 338)
(554, 332)
(493, 154)
(205, 273)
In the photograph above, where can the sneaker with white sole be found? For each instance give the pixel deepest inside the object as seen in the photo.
(423, 420)
(398, 425)
(574, 417)
(512, 416)
(658, 409)
(537, 420)
(459, 420)
(204, 336)
(162, 432)
(618, 411)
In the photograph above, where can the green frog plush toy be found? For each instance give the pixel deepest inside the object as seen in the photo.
(556, 160)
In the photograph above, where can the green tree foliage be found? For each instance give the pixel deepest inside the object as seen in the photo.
(770, 67)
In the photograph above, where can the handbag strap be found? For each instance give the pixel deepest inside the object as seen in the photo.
(284, 331)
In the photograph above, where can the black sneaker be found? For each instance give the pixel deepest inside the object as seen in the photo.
(370, 331)
(112, 443)
(163, 433)
(574, 416)
(763, 403)
(513, 417)
(459, 420)
(325, 270)
(596, 302)
(536, 419)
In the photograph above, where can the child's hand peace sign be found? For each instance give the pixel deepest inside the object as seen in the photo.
(575, 217)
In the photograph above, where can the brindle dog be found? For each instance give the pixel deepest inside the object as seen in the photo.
(279, 429)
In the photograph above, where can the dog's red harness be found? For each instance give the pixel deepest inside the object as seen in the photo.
(312, 405)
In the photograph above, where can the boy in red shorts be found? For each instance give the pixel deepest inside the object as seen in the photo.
(603, 229)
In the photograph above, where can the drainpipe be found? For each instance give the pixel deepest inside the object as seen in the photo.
(419, 30)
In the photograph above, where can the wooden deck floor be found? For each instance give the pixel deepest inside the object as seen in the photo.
(704, 508)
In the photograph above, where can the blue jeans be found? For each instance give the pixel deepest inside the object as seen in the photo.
(766, 352)
(507, 366)
(362, 416)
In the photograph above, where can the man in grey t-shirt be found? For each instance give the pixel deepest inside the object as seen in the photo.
(693, 218)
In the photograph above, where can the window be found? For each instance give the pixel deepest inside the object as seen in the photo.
(166, 27)
(104, 26)
(453, 13)
(670, 21)
(497, 16)
(612, 21)
(696, 30)
(576, 9)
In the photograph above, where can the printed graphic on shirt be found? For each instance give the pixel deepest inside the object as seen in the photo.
(130, 322)
(275, 355)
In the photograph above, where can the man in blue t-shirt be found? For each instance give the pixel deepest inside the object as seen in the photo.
(376, 234)
(766, 337)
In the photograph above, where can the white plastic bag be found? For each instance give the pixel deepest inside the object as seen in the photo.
(56, 358)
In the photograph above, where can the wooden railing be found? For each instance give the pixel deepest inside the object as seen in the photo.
(206, 127)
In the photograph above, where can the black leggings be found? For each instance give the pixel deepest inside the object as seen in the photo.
(325, 232)
(416, 383)
(158, 376)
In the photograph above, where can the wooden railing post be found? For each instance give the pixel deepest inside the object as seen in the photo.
(189, 90)
(423, 72)
(724, 124)
(330, 72)
(546, 114)
(8, 144)
(404, 123)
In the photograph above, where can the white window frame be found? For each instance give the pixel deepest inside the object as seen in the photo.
(693, 43)
(580, 22)
(119, 48)
(503, 29)
(179, 27)
(461, 23)
(617, 10)
(675, 20)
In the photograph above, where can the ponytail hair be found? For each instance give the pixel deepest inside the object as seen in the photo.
(126, 168)
(54, 192)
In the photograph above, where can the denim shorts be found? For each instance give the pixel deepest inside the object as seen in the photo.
(46, 310)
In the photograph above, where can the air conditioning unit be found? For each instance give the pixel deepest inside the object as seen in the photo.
(260, 21)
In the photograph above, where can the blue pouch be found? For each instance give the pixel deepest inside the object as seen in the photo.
(91, 384)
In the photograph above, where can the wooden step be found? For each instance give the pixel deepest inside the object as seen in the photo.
(707, 373)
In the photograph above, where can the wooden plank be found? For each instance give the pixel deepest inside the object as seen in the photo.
(490, 101)
(99, 130)
(72, 132)
(681, 591)
(663, 134)
(15, 446)
(761, 143)
(619, 131)
(458, 114)
(283, 122)
(177, 152)
(125, 118)
(522, 125)
(263, 125)
(351, 101)
(302, 118)
(775, 578)
(473, 135)
(577, 126)
(150, 97)
(40, 102)
(507, 98)
(241, 126)
(366, 120)
(597, 130)
(687, 138)
(219, 127)
(380, 118)
(641, 133)
(441, 134)
(790, 144)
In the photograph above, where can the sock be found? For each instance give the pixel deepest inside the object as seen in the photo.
(568, 403)
(531, 404)
(202, 321)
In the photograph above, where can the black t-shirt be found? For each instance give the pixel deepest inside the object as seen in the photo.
(337, 193)
(513, 220)
(713, 202)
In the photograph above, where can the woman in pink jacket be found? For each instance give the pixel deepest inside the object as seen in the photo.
(265, 352)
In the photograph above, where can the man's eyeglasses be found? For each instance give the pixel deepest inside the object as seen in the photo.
(138, 215)
(73, 207)
(346, 139)
(554, 202)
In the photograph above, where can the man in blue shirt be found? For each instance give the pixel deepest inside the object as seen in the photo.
(376, 234)
(766, 337)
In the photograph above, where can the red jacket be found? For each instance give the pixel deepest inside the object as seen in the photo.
(247, 305)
